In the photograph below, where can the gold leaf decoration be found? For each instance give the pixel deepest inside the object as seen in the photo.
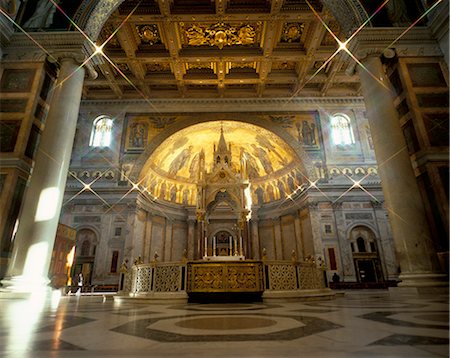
(292, 32)
(149, 34)
(220, 35)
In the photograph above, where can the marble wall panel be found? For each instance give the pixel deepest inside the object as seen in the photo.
(266, 237)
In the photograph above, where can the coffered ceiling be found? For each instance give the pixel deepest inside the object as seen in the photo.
(221, 48)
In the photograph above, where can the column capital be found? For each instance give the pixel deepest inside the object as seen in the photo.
(418, 41)
(61, 55)
(375, 52)
(78, 57)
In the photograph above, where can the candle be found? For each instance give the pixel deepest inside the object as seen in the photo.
(214, 245)
(235, 247)
(240, 244)
(231, 247)
(206, 246)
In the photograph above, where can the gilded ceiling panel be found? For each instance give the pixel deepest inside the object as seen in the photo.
(220, 34)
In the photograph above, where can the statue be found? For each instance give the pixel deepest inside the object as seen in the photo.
(124, 266)
(293, 256)
(138, 260)
(42, 16)
(184, 256)
(155, 256)
(264, 253)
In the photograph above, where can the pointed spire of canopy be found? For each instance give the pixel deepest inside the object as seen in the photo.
(222, 146)
(222, 154)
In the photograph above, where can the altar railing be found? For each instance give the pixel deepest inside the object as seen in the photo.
(288, 275)
(167, 277)
(143, 279)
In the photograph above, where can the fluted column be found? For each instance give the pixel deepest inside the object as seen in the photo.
(412, 238)
(38, 221)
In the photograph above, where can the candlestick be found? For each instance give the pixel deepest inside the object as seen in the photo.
(206, 246)
(214, 246)
(240, 244)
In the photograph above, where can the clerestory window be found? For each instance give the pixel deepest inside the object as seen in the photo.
(101, 132)
(341, 130)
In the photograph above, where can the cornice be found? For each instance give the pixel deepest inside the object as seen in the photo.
(56, 44)
(224, 105)
(48, 40)
(418, 41)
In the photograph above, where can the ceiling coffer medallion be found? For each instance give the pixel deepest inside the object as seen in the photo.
(220, 35)
(158, 67)
(292, 32)
(123, 67)
(149, 34)
(243, 65)
(199, 66)
(105, 36)
(283, 66)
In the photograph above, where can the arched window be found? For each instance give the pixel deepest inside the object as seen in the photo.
(341, 130)
(85, 248)
(101, 132)
(361, 244)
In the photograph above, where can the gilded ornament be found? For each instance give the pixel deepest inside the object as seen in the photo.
(292, 32)
(220, 35)
(148, 34)
(157, 67)
(123, 67)
(106, 33)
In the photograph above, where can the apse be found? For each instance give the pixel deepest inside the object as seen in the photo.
(171, 173)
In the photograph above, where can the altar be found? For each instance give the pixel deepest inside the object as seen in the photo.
(225, 276)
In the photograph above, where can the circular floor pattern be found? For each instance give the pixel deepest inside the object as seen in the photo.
(225, 323)
(213, 307)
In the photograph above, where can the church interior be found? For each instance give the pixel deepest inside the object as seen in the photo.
(179, 175)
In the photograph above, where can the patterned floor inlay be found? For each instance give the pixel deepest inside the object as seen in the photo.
(384, 317)
(225, 323)
(53, 345)
(134, 313)
(315, 310)
(359, 324)
(224, 307)
(305, 326)
(437, 317)
(404, 339)
(63, 322)
(368, 304)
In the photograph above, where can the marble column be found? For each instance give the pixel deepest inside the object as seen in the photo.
(38, 221)
(148, 238)
(168, 241)
(255, 254)
(278, 243)
(191, 240)
(412, 238)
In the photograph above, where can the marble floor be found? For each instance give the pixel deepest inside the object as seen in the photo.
(357, 324)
